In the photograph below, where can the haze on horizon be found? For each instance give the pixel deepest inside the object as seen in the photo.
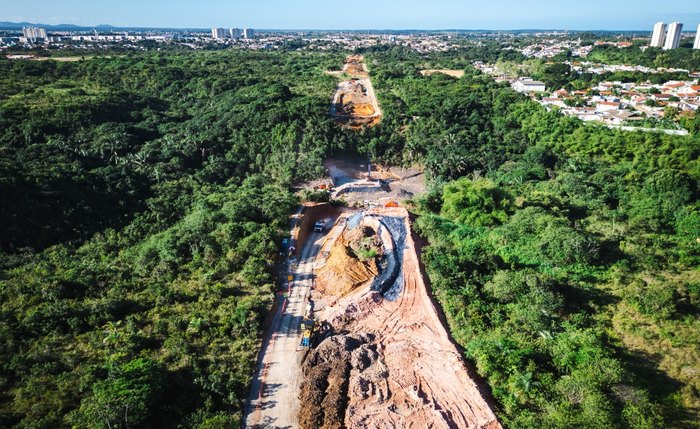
(381, 14)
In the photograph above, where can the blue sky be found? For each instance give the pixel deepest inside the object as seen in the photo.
(376, 14)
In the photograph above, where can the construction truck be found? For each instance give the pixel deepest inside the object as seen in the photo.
(307, 331)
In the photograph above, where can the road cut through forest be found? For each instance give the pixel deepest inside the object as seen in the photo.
(355, 102)
(356, 340)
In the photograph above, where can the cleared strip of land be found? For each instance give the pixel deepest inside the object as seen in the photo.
(355, 102)
(453, 73)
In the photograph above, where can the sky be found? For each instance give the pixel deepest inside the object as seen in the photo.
(375, 14)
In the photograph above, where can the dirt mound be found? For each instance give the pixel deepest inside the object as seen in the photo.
(358, 123)
(354, 65)
(326, 369)
(364, 242)
(350, 264)
(363, 110)
(355, 103)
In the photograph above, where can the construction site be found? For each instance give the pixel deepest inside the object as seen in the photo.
(354, 102)
(383, 355)
(355, 339)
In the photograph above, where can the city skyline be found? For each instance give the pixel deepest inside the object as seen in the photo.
(386, 14)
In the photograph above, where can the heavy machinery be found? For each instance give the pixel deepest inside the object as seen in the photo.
(307, 331)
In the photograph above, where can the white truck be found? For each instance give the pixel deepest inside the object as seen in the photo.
(320, 226)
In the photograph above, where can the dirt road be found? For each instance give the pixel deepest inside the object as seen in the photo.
(273, 401)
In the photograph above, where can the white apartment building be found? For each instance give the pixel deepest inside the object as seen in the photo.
(658, 36)
(249, 33)
(236, 33)
(527, 85)
(218, 33)
(673, 36)
(697, 39)
(34, 33)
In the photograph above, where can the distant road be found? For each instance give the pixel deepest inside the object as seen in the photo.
(375, 103)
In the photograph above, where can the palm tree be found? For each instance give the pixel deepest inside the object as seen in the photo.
(522, 385)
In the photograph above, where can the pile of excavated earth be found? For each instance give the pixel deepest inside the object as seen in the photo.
(382, 357)
(345, 269)
(354, 103)
(354, 66)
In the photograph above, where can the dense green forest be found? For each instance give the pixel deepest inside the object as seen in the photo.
(564, 255)
(143, 197)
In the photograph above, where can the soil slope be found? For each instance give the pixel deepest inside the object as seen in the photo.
(387, 361)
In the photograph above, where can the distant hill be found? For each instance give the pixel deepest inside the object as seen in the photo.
(18, 26)
(4, 25)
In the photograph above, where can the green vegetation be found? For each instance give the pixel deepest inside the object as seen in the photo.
(143, 197)
(565, 256)
(684, 58)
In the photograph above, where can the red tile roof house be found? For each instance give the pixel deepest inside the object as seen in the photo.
(676, 85)
(689, 96)
(638, 99)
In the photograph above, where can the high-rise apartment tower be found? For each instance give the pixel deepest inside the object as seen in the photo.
(673, 36)
(218, 33)
(658, 36)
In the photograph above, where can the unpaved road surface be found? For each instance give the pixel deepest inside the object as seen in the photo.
(350, 182)
(273, 401)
